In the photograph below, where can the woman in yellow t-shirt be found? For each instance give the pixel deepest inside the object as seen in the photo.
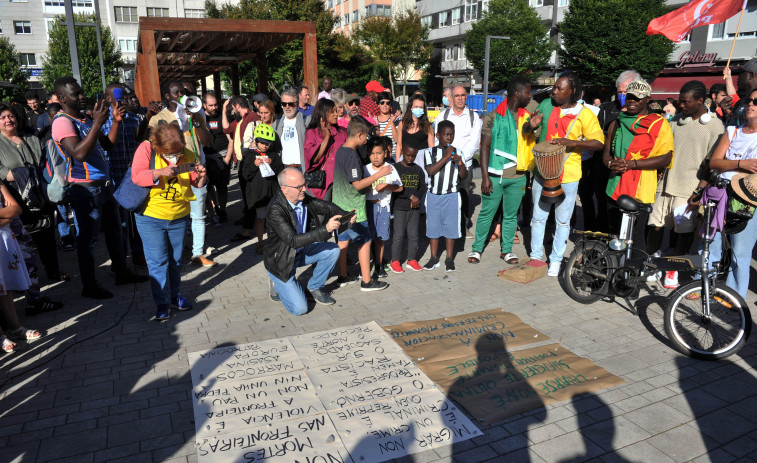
(163, 222)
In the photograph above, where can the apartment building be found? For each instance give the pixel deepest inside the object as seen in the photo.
(27, 24)
(351, 12)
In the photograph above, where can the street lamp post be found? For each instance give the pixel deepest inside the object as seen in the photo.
(486, 66)
(70, 24)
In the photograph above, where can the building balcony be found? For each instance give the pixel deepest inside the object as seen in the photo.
(460, 65)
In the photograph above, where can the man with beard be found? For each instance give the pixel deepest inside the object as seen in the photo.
(507, 135)
(565, 122)
(695, 134)
(639, 144)
(746, 84)
(291, 130)
(216, 159)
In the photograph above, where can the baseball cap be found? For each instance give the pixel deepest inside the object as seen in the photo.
(374, 86)
(352, 97)
(639, 89)
(750, 66)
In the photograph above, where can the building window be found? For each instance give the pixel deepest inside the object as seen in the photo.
(18, 1)
(126, 14)
(354, 16)
(717, 31)
(127, 44)
(28, 59)
(537, 3)
(189, 13)
(338, 22)
(452, 53)
(22, 27)
(346, 19)
(387, 10)
(563, 3)
(444, 19)
(157, 12)
(331, 3)
(455, 16)
(426, 21)
(1, 26)
(76, 3)
(471, 10)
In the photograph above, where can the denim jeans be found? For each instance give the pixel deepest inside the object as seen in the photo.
(95, 207)
(742, 244)
(64, 229)
(163, 242)
(197, 212)
(563, 213)
(324, 255)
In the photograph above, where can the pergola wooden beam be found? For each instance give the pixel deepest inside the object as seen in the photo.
(225, 42)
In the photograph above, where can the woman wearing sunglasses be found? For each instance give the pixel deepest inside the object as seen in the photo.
(386, 120)
(322, 139)
(162, 223)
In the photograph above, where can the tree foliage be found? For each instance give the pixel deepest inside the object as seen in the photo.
(602, 38)
(57, 62)
(527, 50)
(11, 71)
(397, 45)
(346, 64)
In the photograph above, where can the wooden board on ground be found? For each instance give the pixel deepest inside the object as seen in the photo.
(495, 385)
(344, 395)
(453, 337)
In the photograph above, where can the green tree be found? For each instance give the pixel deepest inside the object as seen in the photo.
(57, 62)
(602, 38)
(397, 45)
(527, 50)
(337, 57)
(11, 71)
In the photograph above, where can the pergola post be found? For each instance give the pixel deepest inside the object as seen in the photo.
(262, 66)
(203, 86)
(310, 58)
(147, 83)
(236, 88)
(217, 85)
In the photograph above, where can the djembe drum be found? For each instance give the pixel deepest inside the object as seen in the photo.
(550, 159)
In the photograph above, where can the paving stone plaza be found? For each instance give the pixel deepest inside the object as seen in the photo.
(109, 384)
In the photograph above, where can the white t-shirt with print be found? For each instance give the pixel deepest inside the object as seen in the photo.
(384, 196)
(290, 143)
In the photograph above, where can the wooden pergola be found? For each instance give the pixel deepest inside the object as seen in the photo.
(192, 49)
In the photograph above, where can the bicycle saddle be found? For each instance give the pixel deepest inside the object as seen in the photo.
(628, 204)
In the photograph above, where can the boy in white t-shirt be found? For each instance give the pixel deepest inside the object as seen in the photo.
(379, 198)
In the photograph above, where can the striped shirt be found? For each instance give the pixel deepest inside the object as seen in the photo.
(389, 131)
(445, 181)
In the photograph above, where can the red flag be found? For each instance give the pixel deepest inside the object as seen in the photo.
(677, 24)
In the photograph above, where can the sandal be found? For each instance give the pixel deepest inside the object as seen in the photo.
(240, 237)
(474, 257)
(494, 237)
(510, 258)
(25, 333)
(8, 345)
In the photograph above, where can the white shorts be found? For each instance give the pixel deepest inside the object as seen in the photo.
(662, 214)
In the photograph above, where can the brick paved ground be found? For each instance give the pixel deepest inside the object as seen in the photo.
(108, 384)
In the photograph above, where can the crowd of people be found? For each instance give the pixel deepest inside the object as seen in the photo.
(360, 169)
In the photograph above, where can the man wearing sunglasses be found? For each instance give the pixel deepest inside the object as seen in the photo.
(745, 85)
(291, 130)
(297, 238)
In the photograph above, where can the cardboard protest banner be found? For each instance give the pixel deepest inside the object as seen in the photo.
(406, 424)
(453, 337)
(243, 361)
(326, 396)
(492, 386)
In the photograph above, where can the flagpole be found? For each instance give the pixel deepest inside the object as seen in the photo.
(738, 26)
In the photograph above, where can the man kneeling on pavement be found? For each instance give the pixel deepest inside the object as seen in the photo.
(297, 238)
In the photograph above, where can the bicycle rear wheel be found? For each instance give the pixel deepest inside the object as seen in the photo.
(719, 336)
(586, 274)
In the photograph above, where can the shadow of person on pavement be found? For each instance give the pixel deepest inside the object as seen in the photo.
(596, 424)
(492, 393)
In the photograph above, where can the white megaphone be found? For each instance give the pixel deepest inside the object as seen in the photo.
(191, 102)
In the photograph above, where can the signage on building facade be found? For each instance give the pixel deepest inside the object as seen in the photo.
(696, 58)
(36, 72)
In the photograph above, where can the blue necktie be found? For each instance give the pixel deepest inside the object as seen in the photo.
(300, 224)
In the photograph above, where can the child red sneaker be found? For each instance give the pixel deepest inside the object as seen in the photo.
(414, 265)
(396, 267)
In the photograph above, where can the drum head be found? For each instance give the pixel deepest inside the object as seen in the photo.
(546, 147)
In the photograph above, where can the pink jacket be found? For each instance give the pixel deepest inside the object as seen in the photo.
(313, 139)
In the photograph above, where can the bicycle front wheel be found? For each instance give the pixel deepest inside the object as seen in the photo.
(718, 336)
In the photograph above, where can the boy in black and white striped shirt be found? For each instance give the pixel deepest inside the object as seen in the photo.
(444, 166)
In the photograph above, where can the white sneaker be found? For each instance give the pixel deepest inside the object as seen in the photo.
(654, 277)
(554, 269)
(671, 280)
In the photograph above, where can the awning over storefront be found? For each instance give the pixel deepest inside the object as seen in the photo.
(669, 86)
